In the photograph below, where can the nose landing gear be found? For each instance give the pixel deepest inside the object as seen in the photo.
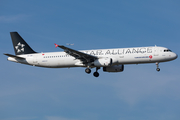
(157, 65)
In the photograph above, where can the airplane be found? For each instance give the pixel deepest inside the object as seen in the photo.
(111, 60)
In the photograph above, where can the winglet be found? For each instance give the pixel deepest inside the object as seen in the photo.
(56, 45)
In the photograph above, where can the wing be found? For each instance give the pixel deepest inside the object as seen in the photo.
(85, 58)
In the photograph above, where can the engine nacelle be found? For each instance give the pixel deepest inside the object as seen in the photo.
(103, 62)
(115, 68)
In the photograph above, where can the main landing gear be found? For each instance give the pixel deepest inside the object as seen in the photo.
(88, 71)
(96, 74)
(157, 65)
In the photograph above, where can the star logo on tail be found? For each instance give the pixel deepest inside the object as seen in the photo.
(20, 47)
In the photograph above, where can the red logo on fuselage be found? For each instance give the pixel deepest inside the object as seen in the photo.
(150, 56)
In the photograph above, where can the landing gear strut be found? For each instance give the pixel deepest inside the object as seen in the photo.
(157, 65)
(96, 74)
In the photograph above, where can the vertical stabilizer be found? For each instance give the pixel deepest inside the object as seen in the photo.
(20, 46)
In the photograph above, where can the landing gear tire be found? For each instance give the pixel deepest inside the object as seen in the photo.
(87, 70)
(158, 69)
(96, 74)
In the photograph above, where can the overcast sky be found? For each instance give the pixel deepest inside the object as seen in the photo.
(138, 93)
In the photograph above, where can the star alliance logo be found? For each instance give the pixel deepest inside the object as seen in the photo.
(20, 47)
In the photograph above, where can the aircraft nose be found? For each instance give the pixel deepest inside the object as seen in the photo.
(175, 56)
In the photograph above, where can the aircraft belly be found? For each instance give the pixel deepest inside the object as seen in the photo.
(66, 63)
(61, 63)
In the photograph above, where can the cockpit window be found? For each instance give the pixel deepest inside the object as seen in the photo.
(167, 50)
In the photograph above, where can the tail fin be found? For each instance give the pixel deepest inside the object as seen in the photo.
(20, 46)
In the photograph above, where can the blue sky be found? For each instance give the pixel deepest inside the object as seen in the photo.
(138, 93)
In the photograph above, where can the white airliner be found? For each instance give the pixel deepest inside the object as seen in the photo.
(111, 60)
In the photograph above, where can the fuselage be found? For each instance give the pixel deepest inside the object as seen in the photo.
(137, 55)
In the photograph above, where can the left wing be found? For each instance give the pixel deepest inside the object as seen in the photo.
(85, 58)
(13, 56)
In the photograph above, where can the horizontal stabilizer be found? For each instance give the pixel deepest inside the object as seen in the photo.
(13, 56)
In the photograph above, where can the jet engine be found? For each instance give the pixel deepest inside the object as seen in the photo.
(101, 62)
(115, 68)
